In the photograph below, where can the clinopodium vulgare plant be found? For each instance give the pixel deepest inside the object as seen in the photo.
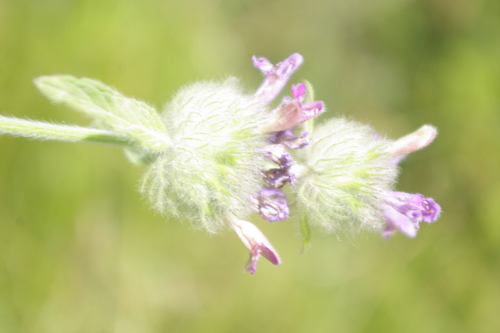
(217, 154)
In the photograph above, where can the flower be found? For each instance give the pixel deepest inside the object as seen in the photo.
(292, 112)
(404, 211)
(271, 204)
(256, 243)
(216, 153)
(276, 76)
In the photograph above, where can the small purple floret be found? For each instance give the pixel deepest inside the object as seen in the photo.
(292, 112)
(271, 204)
(431, 210)
(289, 139)
(415, 206)
(266, 252)
(256, 243)
(278, 155)
(397, 221)
(264, 65)
(276, 76)
(403, 208)
(278, 178)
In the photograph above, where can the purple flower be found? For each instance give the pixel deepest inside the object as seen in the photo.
(278, 154)
(292, 112)
(276, 76)
(256, 243)
(271, 204)
(278, 177)
(405, 211)
(397, 221)
(290, 140)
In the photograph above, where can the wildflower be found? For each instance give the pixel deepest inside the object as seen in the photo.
(216, 153)
(292, 112)
(271, 204)
(276, 76)
(403, 211)
(256, 243)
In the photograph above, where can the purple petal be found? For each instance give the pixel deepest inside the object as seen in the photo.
(291, 113)
(277, 178)
(312, 109)
(272, 192)
(299, 91)
(289, 65)
(264, 65)
(251, 265)
(397, 221)
(272, 204)
(278, 155)
(414, 206)
(290, 140)
(297, 142)
(256, 243)
(431, 210)
(276, 77)
(270, 254)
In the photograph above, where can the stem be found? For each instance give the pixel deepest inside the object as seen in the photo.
(47, 131)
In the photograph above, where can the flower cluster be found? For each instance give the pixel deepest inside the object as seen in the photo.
(344, 176)
(216, 154)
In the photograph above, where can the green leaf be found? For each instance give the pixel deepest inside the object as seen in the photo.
(121, 114)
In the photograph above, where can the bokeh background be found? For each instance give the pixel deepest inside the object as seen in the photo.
(81, 252)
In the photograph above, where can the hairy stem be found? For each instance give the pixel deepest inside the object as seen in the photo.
(47, 131)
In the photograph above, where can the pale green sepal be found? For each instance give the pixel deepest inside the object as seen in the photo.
(122, 114)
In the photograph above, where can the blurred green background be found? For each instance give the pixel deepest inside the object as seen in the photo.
(81, 252)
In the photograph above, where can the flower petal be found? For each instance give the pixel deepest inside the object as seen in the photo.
(414, 206)
(299, 91)
(397, 221)
(417, 140)
(256, 243)
(276, 77)
(291, 113)
(271, 204)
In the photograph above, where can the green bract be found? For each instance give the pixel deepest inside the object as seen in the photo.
(213, 164)
(344, 171)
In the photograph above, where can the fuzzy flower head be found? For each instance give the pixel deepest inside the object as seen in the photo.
(345, 170)
(214, 161)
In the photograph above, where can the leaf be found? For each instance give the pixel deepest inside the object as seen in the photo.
(121, 114)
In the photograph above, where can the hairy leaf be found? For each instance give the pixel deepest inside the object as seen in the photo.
(121, 114)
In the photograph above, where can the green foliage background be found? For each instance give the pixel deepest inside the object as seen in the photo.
(81, 252)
